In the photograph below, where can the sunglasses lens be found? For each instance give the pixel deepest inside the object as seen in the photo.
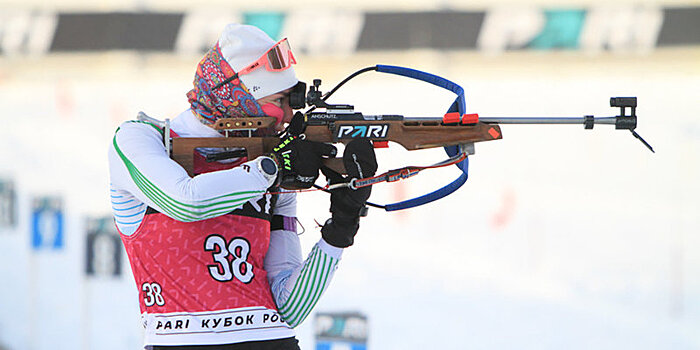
(279, 56)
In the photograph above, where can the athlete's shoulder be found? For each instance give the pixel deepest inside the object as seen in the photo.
(142, 123)
(139, 136)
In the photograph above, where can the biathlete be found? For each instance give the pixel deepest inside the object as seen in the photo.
(216, 257)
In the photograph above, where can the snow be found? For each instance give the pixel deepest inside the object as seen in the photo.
(561, 238)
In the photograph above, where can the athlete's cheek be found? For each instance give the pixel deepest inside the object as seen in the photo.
(288, 113)
(271, 110)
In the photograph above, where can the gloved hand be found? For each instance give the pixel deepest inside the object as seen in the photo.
(347, 204)
(298, 161)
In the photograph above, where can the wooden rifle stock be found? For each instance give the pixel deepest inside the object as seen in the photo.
(412, 134)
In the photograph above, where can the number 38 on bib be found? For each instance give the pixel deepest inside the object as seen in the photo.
(223, 269)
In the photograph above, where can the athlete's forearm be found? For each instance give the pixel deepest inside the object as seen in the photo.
(297, 291)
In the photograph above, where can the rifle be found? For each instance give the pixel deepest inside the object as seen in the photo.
(456, 131)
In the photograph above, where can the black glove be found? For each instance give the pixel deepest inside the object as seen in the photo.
(298, 161)
(347, 204)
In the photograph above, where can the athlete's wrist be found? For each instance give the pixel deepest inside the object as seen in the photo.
(332, 251)
(268, 168)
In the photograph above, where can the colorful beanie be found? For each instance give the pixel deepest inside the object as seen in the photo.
(238, 46)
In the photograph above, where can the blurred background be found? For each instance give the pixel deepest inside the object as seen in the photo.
(561, 238)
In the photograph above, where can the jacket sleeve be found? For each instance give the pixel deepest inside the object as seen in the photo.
(140, 166)
(297, 285)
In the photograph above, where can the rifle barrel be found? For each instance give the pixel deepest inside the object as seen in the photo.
(606, 120)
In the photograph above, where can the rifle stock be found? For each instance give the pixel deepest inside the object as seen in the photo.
(412, 134)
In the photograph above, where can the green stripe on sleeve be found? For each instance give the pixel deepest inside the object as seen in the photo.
(309, 287)
(309, 293)
(147, 123)
(302, 280)
(203, 209)
(326, 273)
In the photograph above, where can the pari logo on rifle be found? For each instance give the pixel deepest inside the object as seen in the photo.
(375, 131)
